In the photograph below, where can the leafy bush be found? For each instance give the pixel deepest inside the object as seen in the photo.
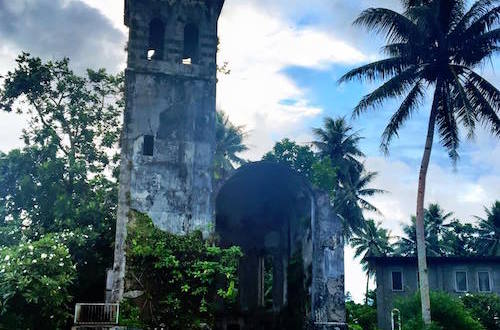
(180, 279)
(485, 308)
(363, 317)
(447, 312)
(35, 278)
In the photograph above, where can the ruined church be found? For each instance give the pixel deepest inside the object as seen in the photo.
(166, 172)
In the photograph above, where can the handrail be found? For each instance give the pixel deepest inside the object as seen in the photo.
(96, 314)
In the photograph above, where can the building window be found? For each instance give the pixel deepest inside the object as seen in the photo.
(397, 281)
(461, 281)
(266, 281)
(396, 319)
(191, 42)
(148, 146)
(156, 39)
(483, 279)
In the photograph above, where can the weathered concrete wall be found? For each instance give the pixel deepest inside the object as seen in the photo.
(174, 185)
(279, 214)
(173, 104)
(441, 278)
(328, 304)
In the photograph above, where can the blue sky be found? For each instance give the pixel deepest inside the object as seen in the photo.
(285, 58)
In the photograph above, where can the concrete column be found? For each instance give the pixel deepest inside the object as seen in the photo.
(249, 281)
(278, 281)
(328, 304)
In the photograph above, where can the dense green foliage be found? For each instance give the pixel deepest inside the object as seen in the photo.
(181, 278)
(447, 236)
(36, 279)
(60, 183)
(362, 316)
(302, 159)
(297, 157)
(448, 313)
(485, 308)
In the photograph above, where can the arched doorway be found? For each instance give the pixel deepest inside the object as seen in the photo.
(292, 271)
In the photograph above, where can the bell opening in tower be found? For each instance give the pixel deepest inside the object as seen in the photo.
(156, 40)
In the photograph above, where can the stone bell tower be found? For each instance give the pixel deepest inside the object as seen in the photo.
(168, 140)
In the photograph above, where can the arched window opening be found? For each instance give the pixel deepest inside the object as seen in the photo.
(191, 41)
(156, 39)
(396, 319)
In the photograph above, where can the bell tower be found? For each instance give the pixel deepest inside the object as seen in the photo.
(168, 139)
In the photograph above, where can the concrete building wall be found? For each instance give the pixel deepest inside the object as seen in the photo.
(441, 278)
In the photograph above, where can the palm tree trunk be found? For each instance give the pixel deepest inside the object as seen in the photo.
(367, 283)
(421, 248)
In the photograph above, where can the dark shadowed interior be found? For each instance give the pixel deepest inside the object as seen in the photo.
(265, 208)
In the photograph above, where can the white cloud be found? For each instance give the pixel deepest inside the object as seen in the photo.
(258, 47)
(112, 9)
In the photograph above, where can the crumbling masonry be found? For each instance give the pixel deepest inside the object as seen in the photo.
(166, 171)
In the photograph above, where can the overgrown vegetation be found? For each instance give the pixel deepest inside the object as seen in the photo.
(485, 308)
(362, 316)
(448, 236)
(57, 190)
(180, 279)
(448, 313)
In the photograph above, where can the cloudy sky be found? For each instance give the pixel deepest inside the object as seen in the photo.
(285, 57)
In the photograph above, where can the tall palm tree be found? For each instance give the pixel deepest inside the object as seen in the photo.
(338, 142)
(436, 225)
(460, 239)
(488, 242)
(407, 245)
(229, 143)
(433, 46)
(372, 241)
(351, 199)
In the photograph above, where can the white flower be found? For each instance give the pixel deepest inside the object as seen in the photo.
(7, 258)
(43, 255)
(34, 261)
(61, 264)
(31, 247)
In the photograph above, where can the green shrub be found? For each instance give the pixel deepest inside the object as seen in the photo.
(35, 279)
(447, 312)
(362, 316)
(485, 308)
(182, 278)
